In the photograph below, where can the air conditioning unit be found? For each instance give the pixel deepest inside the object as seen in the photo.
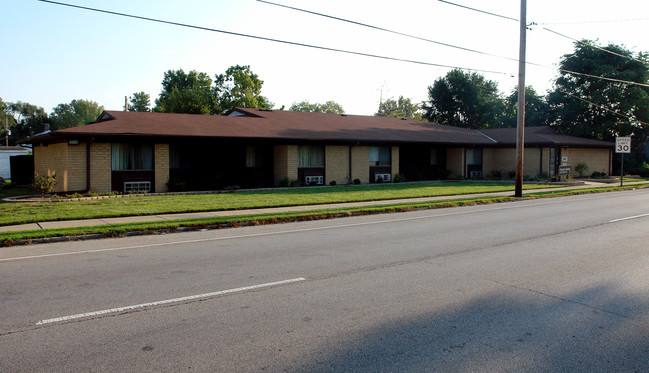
(384, 177)
(475, 174)
(137, 186)
(319, 180)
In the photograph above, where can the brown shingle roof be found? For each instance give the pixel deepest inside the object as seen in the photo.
(542, 136)
(279, 125)
(274, 125)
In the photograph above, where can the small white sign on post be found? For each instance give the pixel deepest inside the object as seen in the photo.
(623, 145)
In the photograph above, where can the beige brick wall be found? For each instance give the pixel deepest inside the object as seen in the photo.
(77, 167)
(337, 164)
(100, 168)
(50, 160)
(285, 163)
(361, 164)
(504, 160)
(395, 161)
(596, 159)
(161, 167)
(68, 162)
(455, 162)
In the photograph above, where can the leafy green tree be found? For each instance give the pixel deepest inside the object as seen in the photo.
(600, 109)
(240, 87)
(330, 107)
(76, 113)
(400, 108)
(28, 120)
(536, 109)
(140, 101)
(464, 100)
(189, 93)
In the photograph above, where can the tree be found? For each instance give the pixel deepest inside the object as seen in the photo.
(401, 108)
(601, 109)
(464, 100)
(140, 101)
(536, 109)
(186, 93)
(76, 113)
(27, 119)
(330, 107)
(240, 87)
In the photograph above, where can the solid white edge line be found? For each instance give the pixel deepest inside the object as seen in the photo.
(628, 218)
(269, 233)
(168, 301)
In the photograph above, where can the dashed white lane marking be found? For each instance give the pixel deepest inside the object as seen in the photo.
(628, 218)
(168, 301)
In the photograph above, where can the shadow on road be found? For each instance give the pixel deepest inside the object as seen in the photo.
(594, 330)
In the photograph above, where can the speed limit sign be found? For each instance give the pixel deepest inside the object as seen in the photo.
(623, 145)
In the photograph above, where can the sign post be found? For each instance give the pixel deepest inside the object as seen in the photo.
(622, 146)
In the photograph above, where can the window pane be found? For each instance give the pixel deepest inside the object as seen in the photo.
(384, 155)
(374, 154)
(303, 156)
(310, 156)
(433, 157)
(250, 156)
(317, 156)
(131, 157)
(380, 155)
(474, 156)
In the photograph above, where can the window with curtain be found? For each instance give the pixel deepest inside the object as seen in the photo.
(310, 156)
(129, 157)
(380, 155)
(474, 156)
(433, 157)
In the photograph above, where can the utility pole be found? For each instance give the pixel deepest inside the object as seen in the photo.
(520, 124)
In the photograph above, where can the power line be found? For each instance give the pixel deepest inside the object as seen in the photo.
(271, 39)
(583, 42)
(603, 107)
(388, 30)
(480, 11)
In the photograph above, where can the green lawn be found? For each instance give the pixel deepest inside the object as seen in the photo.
(28, 212)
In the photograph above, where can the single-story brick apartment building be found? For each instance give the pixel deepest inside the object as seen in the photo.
(159, 152)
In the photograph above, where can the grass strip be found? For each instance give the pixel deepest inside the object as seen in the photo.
(183, 225)
(30, 212)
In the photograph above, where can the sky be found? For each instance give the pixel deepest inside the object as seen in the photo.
(54, 54)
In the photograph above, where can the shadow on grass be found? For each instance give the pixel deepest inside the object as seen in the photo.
(595, 330)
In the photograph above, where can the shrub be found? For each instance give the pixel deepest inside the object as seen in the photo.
(511, 174)
(44, 184)
(332, 182)
(581, 168)
(495, 175)
(444, 174)
(598, 175)
(398, 178)
(294, 183)
(637, 167)
(379, 179)
(284, 182)
(357, 181)
(176, 184)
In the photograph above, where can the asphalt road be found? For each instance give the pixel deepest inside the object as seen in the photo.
(538, 285)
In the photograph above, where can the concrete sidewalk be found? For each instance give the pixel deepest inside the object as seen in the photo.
(209, 214)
